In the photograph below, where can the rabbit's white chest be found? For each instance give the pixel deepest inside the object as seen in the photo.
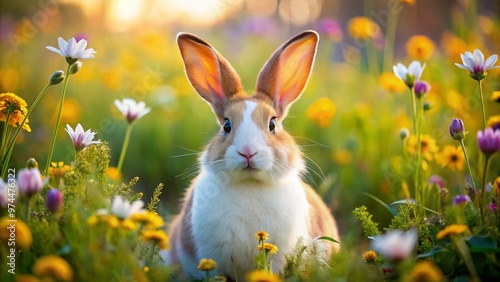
(225, 220)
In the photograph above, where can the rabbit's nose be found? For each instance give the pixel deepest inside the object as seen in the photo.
(247, 153)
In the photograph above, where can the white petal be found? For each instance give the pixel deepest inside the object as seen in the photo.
(463, 67)
(79, 129)
(80, 45)
(70, 49)
(62, 45)
(478, 56)
(69, 129)
(490, 61)
(53, 49)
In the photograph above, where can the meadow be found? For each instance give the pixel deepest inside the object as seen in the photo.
(386, 153)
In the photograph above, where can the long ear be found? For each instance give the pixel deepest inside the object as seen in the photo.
(285, 75)
(209, 73)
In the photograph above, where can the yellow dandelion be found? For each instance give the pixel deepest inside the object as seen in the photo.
(129, 224)
(321, 111)
(23, 237)
(157, 236)
(207, 264)
(262, 235)
(53, 267)
(148, 219)
(26, 278)
(425, 271)
(495, 96)
(369, 256)
(420, 47)
(362, 28)
(453, 229)
(341, 157)
(262, 276)
(391, 83)
(18, 110)
(428, 146)
(451, 157)
(493, 122)
(269, 248)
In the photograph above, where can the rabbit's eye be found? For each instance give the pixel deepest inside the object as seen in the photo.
(272, 124)
(227, 125)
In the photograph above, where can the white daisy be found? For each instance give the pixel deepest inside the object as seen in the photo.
(132, 110)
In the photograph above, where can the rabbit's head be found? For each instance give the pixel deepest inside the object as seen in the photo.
(251, 144)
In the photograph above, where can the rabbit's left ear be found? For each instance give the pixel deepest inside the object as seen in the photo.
(209, 73)
(286, 73)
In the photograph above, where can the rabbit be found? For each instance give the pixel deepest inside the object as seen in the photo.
(250, 174)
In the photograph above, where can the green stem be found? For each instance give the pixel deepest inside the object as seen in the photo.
(4, 133)
(464, 252)
(412, 92)
(124, 150)
(207, 276)
(468, 164)
(27, 210)
(58, 119)
(485, 173)
(389, 41)
(10, 148)
(482, 103)
(419, 187)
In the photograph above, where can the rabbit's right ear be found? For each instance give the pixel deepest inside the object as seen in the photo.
(209, 73)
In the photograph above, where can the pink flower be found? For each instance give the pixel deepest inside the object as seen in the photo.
(29, 181)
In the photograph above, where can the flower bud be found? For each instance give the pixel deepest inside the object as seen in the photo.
(427, 105)
(404, 133)
(457, 129)
(421, 88)
(437, 180)
(54, 200)
(75, 67)
(29, 181)
(56, 77)
(461, 199)
(31, 163)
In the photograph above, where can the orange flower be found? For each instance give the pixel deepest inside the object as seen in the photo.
(420, 47)
(363, 28)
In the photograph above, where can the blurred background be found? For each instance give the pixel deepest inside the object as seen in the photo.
(347, 122)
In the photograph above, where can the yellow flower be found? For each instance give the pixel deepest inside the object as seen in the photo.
(129, 224)
(113, 173)
(451, 157)
(341, 157)
(495, 96)
(148, 219)
(453, 46)
(71, 112)
(453, 229)
(496, 185)
(391, 83)
(262, 276)
(363, 28)
(58, 170)
(269, 248)
(369, 257)
(207, 264)
(22, 231)
(425, 271)
(408, 2)
(111, 220)
(321, 111)
(262, 235)
(420, 47)
(428, 146)
(53, 267)
(18, 108)
(157, 236)
(493, 122)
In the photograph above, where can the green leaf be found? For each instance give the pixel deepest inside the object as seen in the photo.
(389, 208)
(432, 252)
(482, 244)
(328, 239)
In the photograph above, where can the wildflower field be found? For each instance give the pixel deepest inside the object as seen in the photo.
(101, 133)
